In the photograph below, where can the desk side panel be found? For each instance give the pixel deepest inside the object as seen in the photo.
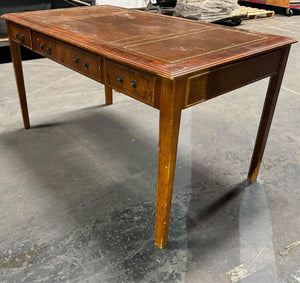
(217, 81)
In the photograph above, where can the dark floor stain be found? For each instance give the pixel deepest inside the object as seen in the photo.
(16, 259)
(119, 247)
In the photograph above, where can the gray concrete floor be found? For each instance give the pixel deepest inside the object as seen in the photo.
(78, 189)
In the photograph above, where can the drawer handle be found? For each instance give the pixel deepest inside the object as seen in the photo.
(121, 79)
(49, 50)
(86, 64)
(19, 36)
(42, 46)
(134, 84)
(76, 60)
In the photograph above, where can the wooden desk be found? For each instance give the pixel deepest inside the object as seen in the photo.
(165, 62)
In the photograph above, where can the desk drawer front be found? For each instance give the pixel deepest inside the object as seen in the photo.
(130, 81)
(20, 35)
(44, 45)
(70, 56)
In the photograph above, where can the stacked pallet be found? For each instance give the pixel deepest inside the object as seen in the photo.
(254, 13)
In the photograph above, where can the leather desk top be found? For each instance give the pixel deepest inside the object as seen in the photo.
(167, 46)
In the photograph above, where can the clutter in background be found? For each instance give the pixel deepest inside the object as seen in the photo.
(206, 10)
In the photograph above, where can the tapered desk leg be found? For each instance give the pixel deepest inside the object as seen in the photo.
(108, 95)
(169, 123)
(17, 62)
(266, 117)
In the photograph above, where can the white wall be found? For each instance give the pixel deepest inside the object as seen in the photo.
(124, 3)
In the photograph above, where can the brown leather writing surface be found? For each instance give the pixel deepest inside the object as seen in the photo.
(164, 45)
(178, 48)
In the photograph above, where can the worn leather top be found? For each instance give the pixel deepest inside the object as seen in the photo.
(164, 45)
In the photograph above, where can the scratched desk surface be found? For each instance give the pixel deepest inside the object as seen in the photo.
(164, 45)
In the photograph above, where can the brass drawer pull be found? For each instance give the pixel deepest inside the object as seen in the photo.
(20, 36)
(121, 79)
(134, 84)
(76, 60)
(86, 64)
(49, 50)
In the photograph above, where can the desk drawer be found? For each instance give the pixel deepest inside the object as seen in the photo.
(133, 82)
(20, 35)
(73, 57)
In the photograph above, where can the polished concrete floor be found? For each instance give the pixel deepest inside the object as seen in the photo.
(78, 189)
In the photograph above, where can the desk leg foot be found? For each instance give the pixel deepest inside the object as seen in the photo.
(266, 117)
(17, 62)
(108, 95)
(169, 123)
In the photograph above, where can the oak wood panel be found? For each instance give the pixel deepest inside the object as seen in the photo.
(75, 58)
(131, 81)
(214, 82)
